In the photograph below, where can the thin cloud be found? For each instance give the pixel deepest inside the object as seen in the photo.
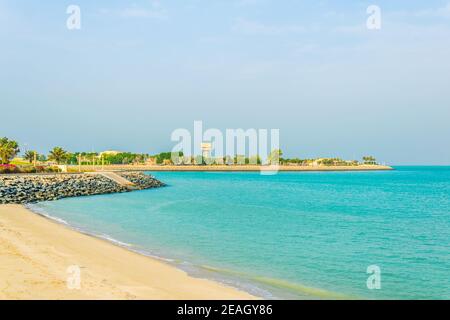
(153, 11)
(443, 12)
(142, 13)
(248, 27)
(244, 3)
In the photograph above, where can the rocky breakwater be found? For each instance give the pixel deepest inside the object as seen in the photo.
(22, 189)
(141, 180)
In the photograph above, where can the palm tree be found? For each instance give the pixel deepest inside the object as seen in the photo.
(369, 160)
(8, 149)
(30, 156)
(58, 155)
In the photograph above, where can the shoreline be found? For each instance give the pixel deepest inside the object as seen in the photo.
(36, 252)
(227, 168)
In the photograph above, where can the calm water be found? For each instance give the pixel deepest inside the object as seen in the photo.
(292, 235)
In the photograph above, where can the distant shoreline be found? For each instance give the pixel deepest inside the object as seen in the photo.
(232, 168)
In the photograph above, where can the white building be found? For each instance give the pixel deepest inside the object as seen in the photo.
(206, 149)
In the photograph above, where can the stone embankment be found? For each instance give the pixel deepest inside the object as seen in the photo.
(23, 189)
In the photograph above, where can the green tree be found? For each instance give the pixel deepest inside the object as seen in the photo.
(228, 160)
(8, 149)
(253, 160)
(58, 155)
(124, 158)
(30, 155)
(167, 156)
(369, 160)
(275, 156)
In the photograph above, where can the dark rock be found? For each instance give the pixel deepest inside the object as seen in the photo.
(35, 188)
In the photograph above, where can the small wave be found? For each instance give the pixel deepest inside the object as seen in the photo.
(44, 213)
(296, 288)
(111, 239)
(233, 279)
(149, 254)
(302, 289)
(40, 211)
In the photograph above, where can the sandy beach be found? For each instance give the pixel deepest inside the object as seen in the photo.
(36, 253)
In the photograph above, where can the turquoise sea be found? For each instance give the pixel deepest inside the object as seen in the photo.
(304, 235)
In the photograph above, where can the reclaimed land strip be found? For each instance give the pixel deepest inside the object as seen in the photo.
(21, 189)
(236, 168)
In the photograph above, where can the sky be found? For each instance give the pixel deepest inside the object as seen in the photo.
(138, 70)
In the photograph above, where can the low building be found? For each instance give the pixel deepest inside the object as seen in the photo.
(206, 149)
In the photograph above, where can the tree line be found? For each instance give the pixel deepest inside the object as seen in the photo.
(9, 149)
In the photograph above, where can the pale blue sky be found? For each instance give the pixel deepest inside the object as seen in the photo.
(137, 70)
